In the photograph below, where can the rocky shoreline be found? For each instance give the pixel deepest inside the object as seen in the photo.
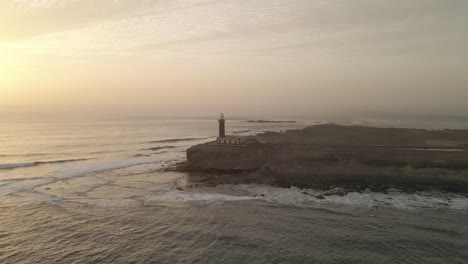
(331, 156)
(211, 178)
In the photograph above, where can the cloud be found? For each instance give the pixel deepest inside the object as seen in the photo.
(23, 19)
(263, 27)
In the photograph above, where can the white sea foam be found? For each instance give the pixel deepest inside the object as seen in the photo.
(459, 203)
(86, 168)
(182, 196)
(16, 186)
(295, 196)
(114, 202)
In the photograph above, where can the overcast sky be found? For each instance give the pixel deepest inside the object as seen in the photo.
(405, 55)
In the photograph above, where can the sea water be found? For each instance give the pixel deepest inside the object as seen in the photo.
(95, 190)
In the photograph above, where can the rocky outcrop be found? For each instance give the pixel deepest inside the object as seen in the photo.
(225, 158)
(331, 154)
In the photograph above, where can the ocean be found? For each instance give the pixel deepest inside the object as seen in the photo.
(95, 190)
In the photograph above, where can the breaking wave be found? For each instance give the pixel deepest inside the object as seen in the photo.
(180, 196)
(300, 197)
(102, 166)
(24, 155)
(159, 148)
(173, 140)
(368, 199)
(10, 166)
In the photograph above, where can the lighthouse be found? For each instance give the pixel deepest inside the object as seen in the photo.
(222, 126)
(231, 140)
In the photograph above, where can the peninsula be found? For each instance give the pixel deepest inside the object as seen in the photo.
(332, 154)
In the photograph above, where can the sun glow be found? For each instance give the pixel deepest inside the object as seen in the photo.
(5, 59)
(3, 66)
(9, 72)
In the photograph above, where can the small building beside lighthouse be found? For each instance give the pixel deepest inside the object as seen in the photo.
(231, 140)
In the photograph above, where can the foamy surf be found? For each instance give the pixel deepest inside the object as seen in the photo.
(102, 166)
(16, 186)
(303, 197)
(181, 196)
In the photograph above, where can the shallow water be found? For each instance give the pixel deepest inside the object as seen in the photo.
(94, 192)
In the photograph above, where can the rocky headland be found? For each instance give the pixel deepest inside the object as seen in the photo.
(334, 155)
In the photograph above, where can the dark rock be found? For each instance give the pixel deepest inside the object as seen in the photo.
(353, 157)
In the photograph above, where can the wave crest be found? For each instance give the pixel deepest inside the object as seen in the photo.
(306, 197)
(180, 196)
(10, 166)
(174, 140)
(159, 148)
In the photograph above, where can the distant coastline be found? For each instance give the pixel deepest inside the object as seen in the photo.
(272, 121)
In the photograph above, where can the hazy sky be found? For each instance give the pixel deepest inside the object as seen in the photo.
(380, 54)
